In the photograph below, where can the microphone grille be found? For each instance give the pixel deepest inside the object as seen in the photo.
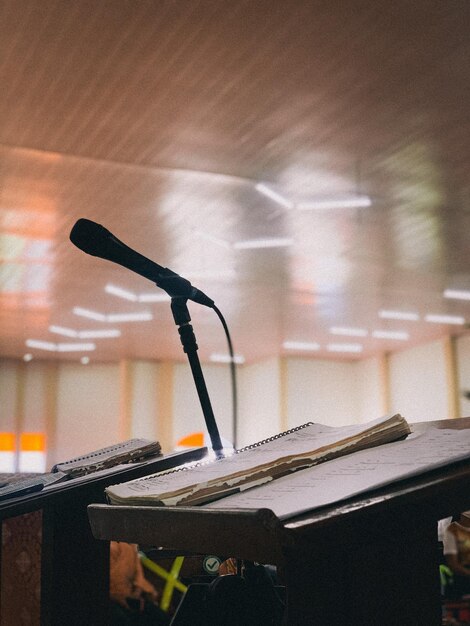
(89, 236)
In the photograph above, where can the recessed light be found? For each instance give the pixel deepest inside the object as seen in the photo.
(226, 358)
(409, 316)
(28, 357)
(274, 195)
(349, 332)
(85, 360)
(445, 319)
(301, 345)
(254, 244)
(391, 334)
(344, 347)
(457, 294)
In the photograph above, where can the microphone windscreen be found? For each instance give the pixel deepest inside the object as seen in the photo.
(90, 237)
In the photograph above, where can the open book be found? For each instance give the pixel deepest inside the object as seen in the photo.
(353, 474)
(257, 464)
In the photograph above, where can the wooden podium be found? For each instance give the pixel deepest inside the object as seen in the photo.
(369, 561)
(54, 552)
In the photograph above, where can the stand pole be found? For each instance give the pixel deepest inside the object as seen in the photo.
(182, 318)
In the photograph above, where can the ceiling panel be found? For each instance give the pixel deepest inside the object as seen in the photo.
(161, 120)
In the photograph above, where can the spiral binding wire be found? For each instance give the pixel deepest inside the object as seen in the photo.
(120, 447)
(190, 466)
(273, 438)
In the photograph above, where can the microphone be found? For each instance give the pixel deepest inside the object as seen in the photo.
(96, 240)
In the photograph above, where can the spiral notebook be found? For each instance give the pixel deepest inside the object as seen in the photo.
(130, 451)
(257, 464)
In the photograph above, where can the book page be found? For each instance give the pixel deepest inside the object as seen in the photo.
(356, 473)
(314, 437)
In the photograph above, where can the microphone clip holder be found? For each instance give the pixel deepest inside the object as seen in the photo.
(182, 319)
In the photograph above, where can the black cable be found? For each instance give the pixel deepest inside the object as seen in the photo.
(233, 377)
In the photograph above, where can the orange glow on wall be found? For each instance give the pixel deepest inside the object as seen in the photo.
(7, 442)
(32, 442)
(194, 440)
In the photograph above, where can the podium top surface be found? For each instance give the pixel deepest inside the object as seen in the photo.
(257, 534)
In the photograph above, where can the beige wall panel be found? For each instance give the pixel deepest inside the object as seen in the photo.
(87, 408)
(418, 383)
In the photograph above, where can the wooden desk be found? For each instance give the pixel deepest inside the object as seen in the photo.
(369, 561)
(74, 567)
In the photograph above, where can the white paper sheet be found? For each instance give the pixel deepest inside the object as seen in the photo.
(356, 473)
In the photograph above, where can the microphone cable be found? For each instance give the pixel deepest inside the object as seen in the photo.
(233, 376)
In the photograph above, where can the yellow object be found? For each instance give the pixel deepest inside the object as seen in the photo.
(170, 577)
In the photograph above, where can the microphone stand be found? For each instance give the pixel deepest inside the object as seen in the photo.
(182, 319)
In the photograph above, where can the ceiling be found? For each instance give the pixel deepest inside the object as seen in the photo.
(160, 121)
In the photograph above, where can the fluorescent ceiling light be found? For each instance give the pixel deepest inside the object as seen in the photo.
(220, 242)
(120, 293)
(210, 274)
(445, 319)
(60, 347)
(251, 244)
(99, 334)
(319, 203)
(399, 315)
(254, 244)
(274, 195)
(301, 345)
(85, 334)
(75, 347)
(225, 358)
(41, 345)
(129, 317)
(344, 347)
(134, 297)
(92, 315)
(457, 294)
(350, 332)
(390, 334)
(348, 202)
(66, 332)
(143, 316)
(153, 297)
